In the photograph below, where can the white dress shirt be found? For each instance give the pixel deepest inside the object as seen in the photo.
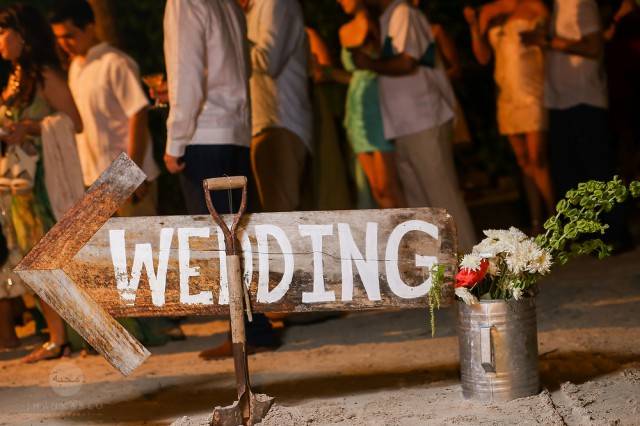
(206, 55)
(106, 88)
(280, 59)
(423, 99)
(572, 79)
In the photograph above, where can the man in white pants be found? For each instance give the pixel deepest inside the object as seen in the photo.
(417, 106)
(280, 102)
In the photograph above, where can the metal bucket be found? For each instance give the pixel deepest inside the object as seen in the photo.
(498, 342)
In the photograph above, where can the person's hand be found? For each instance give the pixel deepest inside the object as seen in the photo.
(361, 60)
(160, 93)
(17, 133)
(317, 70)
(537, 37)
(470, 15)
(174, 164)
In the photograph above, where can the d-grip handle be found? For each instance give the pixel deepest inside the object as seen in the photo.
(486, 349)
(224, 183)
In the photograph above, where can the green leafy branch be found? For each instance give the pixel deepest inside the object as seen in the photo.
(438, 280)
(571, 231)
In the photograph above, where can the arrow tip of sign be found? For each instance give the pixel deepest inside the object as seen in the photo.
(123, 171)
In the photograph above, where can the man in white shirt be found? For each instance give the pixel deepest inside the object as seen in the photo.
(282, 119)
(106, 88)
(417, 106)
(209, 125)
(580, 144)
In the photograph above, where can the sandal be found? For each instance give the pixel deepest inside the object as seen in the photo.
(47, 351)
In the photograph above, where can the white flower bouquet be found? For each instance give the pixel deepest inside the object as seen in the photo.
(507, 264)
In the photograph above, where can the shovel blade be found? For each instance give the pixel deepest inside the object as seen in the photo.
(228, 416)
(260, 405)
(232, 415)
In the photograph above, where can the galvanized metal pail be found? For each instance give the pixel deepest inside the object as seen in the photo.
(498, 342)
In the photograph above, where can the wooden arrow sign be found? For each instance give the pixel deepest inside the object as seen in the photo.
(45, 268)
(90, 266)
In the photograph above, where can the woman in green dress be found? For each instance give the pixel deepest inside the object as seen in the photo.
(363, 119)
(36, 88)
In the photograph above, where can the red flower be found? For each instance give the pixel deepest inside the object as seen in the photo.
(469, 278)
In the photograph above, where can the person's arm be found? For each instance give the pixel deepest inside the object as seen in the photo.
(590, 45)
(479, 44)
(410, 38)
(57, 94)
(337, 74)
(269, 52)
(449, 52)
(395, 66)
(185, 52)
(138, 136)
(328, 73)
(124, 80)
(497, 10)
(138, 144)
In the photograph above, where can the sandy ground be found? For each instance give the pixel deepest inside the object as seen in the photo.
(366, 369)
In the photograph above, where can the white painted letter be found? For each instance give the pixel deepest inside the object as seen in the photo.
(367, 268)
(393, 273)
(262, 233)
(186, 271)
(143, 256)
(319, 293)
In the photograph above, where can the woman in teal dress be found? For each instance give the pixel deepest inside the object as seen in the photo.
(363, 119)
(36, 88)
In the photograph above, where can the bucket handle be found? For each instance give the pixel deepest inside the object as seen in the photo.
(486, 349)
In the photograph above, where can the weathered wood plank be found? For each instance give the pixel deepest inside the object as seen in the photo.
(88, 318)
(93, 267)
(82, 221)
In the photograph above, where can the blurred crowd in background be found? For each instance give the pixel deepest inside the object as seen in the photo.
(490, 109)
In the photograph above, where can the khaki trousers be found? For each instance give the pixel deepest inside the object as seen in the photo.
(278, 158)
(428, 176)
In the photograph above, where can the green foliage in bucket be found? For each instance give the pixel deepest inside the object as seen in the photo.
(435, 294)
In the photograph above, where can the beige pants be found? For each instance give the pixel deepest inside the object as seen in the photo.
(278, 159)
(428, 176)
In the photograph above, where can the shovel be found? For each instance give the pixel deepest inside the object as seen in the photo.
(250, 408)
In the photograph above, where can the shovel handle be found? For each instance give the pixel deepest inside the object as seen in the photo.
(221, 184)
(224, 183)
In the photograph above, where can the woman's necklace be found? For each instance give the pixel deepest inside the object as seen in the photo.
(14, 84)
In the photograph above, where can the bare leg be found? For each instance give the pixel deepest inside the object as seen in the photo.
(57, 345)
(539, 168)
(8, 338)
(57, 332)
(392, 185)
(518, 144)
(380, 169)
